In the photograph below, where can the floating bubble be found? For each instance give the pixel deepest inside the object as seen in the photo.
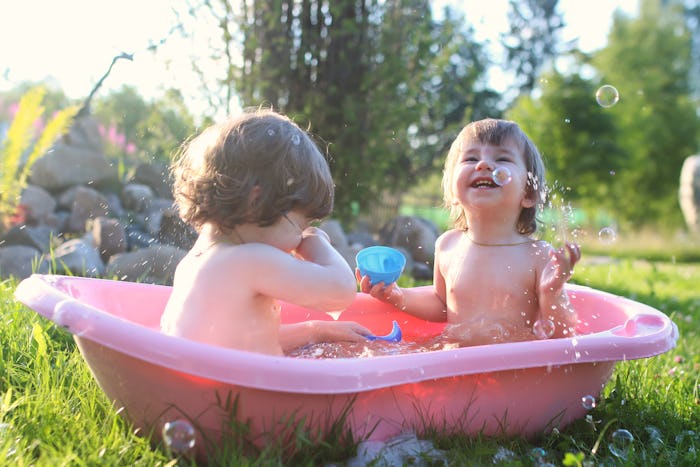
(607, 96)
(656, 440)
(588, 402)
(543, 328)
(501, 176)
(607, 235)
(621, 443)
(179, 436)
(538, 453)
(504, 455)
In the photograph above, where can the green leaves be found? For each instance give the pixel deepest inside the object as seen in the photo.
(20, 140)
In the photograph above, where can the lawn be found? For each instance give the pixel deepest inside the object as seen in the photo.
(53, 413)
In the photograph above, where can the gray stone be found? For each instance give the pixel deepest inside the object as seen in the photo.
(87, 204)
(20, 262)
(39, 204)
(38, 237)
(155, 264)
(689, 193)
(156, 176)
(137, 197)
(109, 236)
(415, 234)
(173, 231)
(335, 233)
(77, 257)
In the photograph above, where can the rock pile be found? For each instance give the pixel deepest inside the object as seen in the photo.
(79, 217)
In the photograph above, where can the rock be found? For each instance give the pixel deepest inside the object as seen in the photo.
(88, 203)
(38, 237)
(65, 166)
(689, 193)
(137, 197)
(19, 261)
(77, 257)
(335, 233)
(109, 236)
(156, 176)
(39, 204)
(155, 264)
(415, 234)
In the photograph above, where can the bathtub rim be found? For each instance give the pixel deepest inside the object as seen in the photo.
(652, 333)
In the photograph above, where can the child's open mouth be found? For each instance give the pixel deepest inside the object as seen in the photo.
(484, 183)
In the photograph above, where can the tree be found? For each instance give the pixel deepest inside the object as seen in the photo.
(154, 129)
(576, 136)
(533, 39)
(647, 59)
(383, 83)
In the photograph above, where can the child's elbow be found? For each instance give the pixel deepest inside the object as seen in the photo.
(342, 294)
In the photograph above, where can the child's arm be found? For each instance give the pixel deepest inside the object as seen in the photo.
(553, 299)
(422, 302)
(312, 332)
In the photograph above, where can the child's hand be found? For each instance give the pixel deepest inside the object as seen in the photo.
(559, 268)
(313, 242)
(391, 293)
(335, 331)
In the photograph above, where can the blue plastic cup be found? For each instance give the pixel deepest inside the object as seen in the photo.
(381, 264)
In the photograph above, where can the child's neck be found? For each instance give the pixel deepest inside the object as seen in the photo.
(494, 233)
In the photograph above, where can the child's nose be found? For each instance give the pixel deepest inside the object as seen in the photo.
(484, 165)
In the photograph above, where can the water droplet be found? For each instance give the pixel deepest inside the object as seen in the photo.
(607, 96)
(621, 443)
(543, 328)
(607, 235)
(588, 402)
(179, 436)
(296, 139)
(270, 132)
(501, 176)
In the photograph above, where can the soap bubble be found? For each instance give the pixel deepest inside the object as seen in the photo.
(656, 439)
(621, 443)
(543, 328)
(588, 402)
(607, 96)
(538, 454)
(607, 235)
(501, 176)
(179, 436)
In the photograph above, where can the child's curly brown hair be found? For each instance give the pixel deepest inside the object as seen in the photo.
(251, 168)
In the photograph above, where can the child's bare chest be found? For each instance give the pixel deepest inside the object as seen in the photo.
(483, 281)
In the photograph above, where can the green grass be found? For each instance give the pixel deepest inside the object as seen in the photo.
(53, 413)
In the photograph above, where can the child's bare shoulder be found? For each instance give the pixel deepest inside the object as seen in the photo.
(448, 238)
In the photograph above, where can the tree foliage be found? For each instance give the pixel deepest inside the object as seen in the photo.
(382, 82)
(647, 59)
(532, 40)
(157, 128)
(625, 158)
(576, 137)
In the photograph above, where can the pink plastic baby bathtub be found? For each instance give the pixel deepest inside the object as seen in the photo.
(521, 388)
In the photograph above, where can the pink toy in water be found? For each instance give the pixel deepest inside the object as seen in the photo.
(520, 388)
